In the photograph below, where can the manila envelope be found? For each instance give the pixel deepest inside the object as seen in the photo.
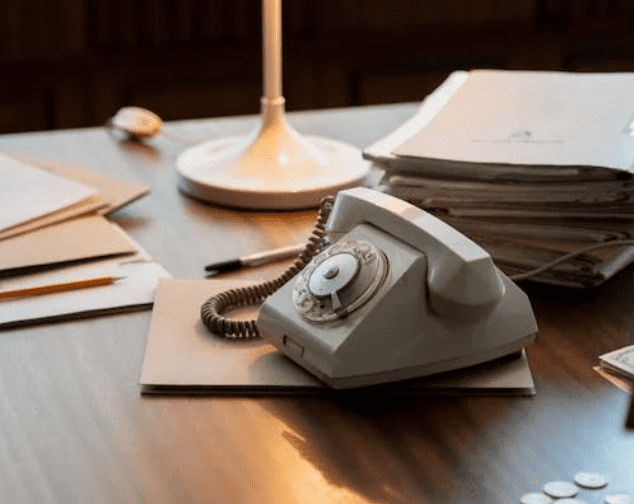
(80, 239)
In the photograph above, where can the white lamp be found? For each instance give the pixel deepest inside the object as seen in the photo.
(274, 167)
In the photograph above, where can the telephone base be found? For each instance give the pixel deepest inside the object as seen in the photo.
(398, 295)
(399, 375)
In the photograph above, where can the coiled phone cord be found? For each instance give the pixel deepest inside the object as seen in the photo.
(212, 310)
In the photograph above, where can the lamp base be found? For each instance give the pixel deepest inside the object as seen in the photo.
(203, 175)
(274, 168)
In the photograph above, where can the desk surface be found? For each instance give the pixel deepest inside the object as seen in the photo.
(75, 428)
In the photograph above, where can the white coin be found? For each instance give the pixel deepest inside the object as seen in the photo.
(535, 498)
(590, 480)
(560, 489)
(619, 499)
(570, 501)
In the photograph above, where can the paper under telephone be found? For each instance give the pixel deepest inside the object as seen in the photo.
(398, 294)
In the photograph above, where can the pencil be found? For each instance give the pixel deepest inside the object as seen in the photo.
(40, 290)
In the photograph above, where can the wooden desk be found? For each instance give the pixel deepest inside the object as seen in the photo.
(75, 428)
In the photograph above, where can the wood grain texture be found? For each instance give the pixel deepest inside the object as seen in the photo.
(74, 427)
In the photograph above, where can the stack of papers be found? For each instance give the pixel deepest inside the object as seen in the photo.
(617, 367)
(53, 229)
(531, 165)
(619, 361)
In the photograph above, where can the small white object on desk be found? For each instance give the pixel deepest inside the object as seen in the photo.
(560, 489)
(590, 480)
(137, 122)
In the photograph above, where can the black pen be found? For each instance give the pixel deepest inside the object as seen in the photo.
(256, 259)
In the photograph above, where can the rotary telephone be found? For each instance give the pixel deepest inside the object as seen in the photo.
(390, 293)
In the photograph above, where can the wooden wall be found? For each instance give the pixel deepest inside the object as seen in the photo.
(73, 63)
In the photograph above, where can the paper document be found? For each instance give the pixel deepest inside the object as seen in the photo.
(382, 149)
(111, 195)
(114, 193)
(533, 118)
(136, 289)
(27, 192)
(75, 240)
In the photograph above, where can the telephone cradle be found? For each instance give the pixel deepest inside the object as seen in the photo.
(399, 294)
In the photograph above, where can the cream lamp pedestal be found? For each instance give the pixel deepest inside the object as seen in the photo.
(272, 168)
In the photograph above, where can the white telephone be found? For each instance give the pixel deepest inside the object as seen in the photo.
(399, 294)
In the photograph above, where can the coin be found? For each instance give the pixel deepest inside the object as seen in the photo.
(590, 480)
(535, 498)
(560, 489)
(619, 499)
(570, 501)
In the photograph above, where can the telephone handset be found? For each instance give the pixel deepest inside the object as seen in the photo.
(462, 280)
(398, 294)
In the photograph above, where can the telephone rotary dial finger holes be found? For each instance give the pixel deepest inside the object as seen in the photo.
(339, 280)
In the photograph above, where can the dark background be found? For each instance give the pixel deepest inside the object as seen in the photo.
(73, 63)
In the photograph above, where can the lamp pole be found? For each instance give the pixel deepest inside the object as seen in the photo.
(272, 48)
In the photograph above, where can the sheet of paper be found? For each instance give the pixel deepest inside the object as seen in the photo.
(88, 237)
(533, 118)
(140, 276)
(182, 355)
(112, 194)
(27, 192)
(433, 103)
(88, 206)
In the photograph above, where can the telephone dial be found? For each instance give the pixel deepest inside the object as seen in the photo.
(383, 292)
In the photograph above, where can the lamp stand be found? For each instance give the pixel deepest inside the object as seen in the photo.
(274, 167)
